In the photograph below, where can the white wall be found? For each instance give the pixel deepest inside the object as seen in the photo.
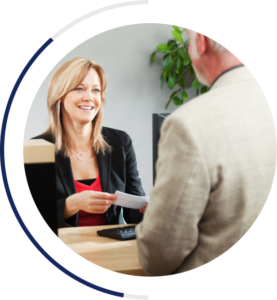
(133, 89)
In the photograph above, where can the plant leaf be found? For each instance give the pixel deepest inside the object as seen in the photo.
(174, 59)
(165, 56)
(187, 60)
(168, 102)
(177, 101)
(204, 89)
(181, 80)
(177, 29)
(182, 69)
(180, 66)
(195, 84)
(168, 63)
(153, 57)
(170, 42)
(162, 48)
(171, 80)
(186, 42)
(173, 94)
(177, 37)
(181, 54)
(173, 46)
(166, 73)
(191, 70)
(185, 96)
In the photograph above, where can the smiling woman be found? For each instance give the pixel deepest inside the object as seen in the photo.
(83, 103)
(92, 161)
(73, 85)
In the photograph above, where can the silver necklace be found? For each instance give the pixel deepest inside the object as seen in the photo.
(80, 155)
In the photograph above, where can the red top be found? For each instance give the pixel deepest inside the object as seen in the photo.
(85, 218)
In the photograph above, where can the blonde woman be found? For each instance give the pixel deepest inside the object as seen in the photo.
(92, 161)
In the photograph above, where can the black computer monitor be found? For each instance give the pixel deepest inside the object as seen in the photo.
(157, 120)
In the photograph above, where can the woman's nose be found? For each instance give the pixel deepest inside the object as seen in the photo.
(88, 95)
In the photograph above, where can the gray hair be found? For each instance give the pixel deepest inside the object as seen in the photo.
(214, 45)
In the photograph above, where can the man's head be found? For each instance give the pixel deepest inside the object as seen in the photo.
(195, 57)
(209, 58)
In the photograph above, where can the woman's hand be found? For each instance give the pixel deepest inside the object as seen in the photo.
(89, 201)
(95, 202)
(142, 210)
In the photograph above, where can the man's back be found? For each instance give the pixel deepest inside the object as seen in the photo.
(220, 150)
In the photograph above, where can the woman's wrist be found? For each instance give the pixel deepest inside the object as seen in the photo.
(71, 206)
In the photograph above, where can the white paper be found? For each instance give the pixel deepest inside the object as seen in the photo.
(131, 201)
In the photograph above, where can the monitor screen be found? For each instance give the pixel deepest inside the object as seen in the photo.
(157, 120)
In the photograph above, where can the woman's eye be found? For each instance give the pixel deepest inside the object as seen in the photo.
(81, 89)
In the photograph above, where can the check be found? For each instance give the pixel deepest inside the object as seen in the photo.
(131, 201)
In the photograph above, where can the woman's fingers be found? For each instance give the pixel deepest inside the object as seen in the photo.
(101, 202)
(99, 206)
(98, 209)
(99, 198)
(100, 195)
(142, 210)
(95, 202)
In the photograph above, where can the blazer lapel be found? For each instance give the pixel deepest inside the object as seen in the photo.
(64, 168)
(104, 166)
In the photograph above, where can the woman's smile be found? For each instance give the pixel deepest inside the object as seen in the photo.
(86, 109)
(82, 104)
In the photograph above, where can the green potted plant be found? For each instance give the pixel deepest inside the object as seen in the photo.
(176, 65)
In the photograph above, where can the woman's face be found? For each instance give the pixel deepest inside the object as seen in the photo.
(82, 104)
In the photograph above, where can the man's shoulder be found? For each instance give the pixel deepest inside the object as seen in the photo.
(191, 109)
(198, 111)
(225, 95)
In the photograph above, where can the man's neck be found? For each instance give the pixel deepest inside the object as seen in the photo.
(218, 66)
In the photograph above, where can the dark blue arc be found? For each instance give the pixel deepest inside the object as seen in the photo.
(4, 175)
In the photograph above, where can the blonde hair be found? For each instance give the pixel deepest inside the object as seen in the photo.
(67, 78)
(214, 45)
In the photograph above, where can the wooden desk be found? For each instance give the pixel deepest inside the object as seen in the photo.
(115, 255)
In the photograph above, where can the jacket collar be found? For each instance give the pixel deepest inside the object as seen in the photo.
(104, 166)
(231, 76)
(64, 168)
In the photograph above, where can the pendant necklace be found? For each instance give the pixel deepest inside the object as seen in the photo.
(80, 155)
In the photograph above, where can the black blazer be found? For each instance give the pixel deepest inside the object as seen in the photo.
(117, 170)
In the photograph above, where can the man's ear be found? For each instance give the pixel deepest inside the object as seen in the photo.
(201, 43)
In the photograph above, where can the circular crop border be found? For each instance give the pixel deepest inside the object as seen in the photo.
(2, 154)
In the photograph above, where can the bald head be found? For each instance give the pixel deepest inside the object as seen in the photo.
(209, 58)
(213, 44)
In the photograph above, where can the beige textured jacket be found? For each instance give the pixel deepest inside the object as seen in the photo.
(215, 167)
